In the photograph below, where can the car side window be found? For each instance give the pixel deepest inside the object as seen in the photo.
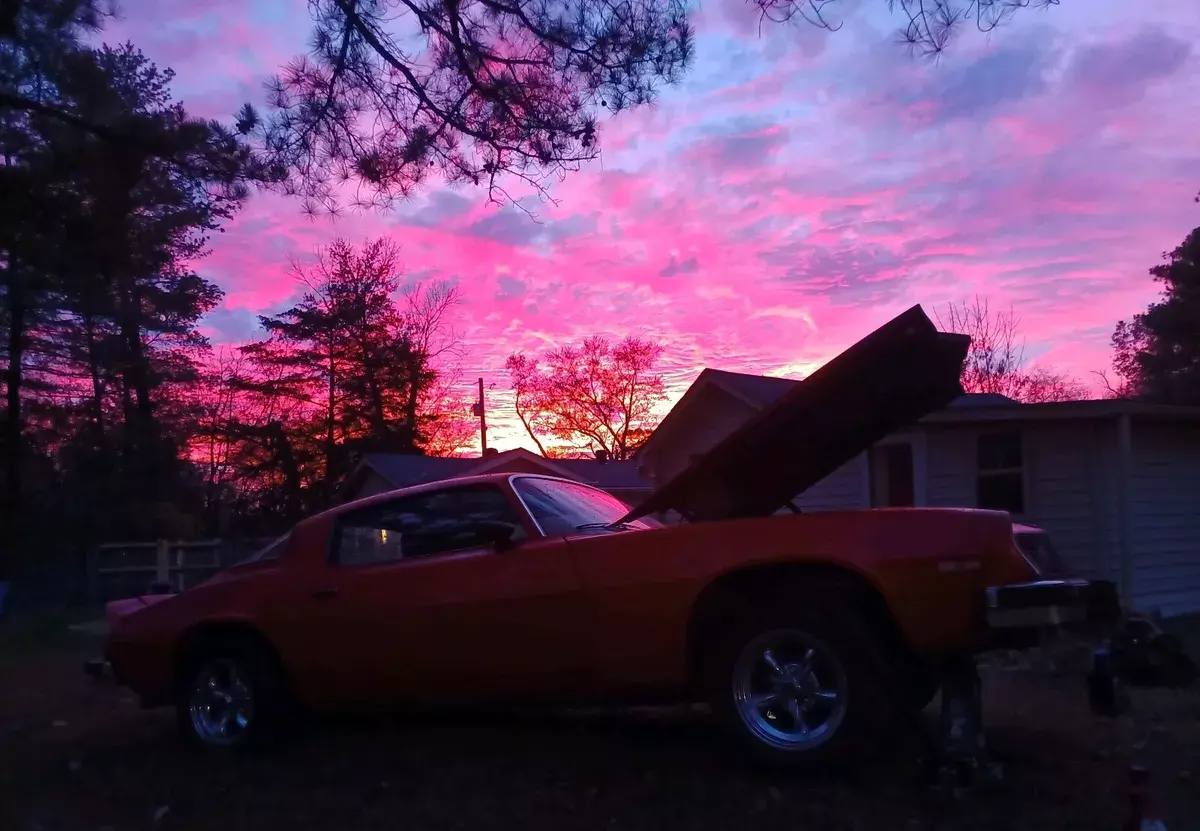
(421, 525)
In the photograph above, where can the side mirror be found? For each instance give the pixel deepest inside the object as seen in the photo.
(498, 534)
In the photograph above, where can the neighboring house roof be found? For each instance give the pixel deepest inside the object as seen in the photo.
(402, 471)
(756, 391)
(499, 460)
(1055, 410)
(609, 476)
(982, 399)
(759, 390)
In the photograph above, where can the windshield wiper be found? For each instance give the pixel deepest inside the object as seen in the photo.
(603, 526)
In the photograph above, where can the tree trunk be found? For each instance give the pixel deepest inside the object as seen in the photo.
(416, 367)
(330, 436)
(96, 406)
(143, 455)
(378, 414)
(280, 445)
(18, 309)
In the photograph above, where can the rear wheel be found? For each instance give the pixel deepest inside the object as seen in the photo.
(798, 685)
(230, 696)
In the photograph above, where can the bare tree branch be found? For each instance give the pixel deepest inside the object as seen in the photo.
(930, 25)
(496, 91)
(995, 362)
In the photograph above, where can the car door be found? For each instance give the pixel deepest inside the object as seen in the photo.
(638, 584)
(417, 604)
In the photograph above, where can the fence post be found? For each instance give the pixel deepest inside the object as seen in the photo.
(91, 566)
(162, 563)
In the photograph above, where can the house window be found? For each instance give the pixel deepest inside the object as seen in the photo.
(1001, 482)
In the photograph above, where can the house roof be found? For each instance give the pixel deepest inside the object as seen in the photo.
(402, 471)
(1055, 410)
(759, 390)
(609, 476)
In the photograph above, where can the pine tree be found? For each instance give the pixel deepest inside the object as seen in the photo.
(1157, 353)
(345, 353)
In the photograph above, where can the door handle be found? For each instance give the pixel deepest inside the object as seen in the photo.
(327, 591)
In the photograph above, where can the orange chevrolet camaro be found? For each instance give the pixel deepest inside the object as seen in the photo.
(806, 633)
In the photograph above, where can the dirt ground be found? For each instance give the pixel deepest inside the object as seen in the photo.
(76, 755)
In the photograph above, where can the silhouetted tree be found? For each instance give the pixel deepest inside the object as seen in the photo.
(349, 369)
(996, 362)
(1157, 353)
(342, 350)
(98, 302)
(594, 396)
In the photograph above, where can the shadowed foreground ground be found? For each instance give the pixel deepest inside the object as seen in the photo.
(79, 756)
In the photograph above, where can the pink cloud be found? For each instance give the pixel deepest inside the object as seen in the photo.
(800, 190)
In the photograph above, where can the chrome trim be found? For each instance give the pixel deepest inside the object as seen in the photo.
(512, 487)
(992, 593)
(221, 705)
(1035, 616)
(790, 690)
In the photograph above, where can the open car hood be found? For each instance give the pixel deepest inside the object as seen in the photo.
(894, 376)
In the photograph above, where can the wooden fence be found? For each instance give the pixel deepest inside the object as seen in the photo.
(127, 569)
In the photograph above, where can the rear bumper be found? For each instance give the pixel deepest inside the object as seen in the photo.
(1018, 614)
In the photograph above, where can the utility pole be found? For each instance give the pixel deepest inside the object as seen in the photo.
(481, 411)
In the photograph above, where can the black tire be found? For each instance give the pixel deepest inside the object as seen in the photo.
(868, 710)
(257, 671)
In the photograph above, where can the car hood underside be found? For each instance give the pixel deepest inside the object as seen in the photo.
(888, 380)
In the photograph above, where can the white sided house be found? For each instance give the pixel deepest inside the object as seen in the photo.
(1116, 484)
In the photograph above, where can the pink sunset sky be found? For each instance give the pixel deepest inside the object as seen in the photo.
(798, 189)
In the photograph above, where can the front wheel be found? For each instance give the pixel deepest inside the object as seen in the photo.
(230, 697)
(798, 686)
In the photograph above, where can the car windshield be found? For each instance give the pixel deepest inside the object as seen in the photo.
(567, 508)
(1036, 546)
(271, 551)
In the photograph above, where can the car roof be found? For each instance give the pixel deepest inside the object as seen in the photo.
(442, 484)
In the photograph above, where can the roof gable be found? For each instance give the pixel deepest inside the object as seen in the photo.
(757, 390)
(402, 470)
(516, 455)
(609, 475)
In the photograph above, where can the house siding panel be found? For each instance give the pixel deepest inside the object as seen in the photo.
(1165, 518)
(845, 488)
(1069, 488)
(1062, 469)
(1107, 508)
(950, 466)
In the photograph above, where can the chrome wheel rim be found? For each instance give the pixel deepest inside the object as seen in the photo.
(790, 690)
(221, 706)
